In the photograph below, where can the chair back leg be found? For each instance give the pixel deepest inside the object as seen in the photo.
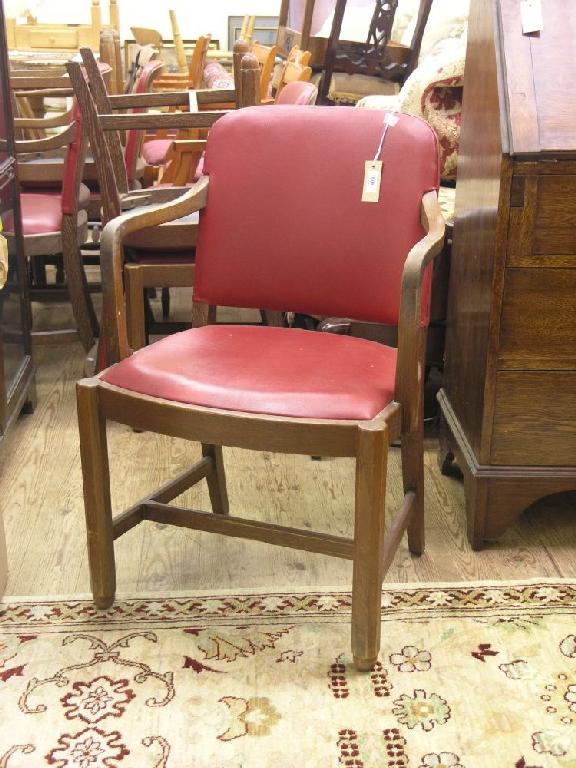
(82, 306)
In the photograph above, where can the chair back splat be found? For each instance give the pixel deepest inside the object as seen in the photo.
(335, 255)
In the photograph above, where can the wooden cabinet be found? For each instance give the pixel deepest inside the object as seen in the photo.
(16, 368)
(509, 397)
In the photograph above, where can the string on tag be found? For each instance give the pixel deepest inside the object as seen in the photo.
(390, 120)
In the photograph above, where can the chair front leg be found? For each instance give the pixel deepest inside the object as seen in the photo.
(371, 467)
(97, 502)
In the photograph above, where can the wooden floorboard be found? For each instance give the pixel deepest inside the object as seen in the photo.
(43, 512)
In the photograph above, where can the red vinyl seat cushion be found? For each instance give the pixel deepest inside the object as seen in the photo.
(257, 369)
(41, 213)
(155, 150)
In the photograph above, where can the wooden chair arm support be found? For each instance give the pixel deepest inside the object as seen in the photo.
(410, 329)
(112, 259)
(61, 139)
(166, 120)
(175, 98)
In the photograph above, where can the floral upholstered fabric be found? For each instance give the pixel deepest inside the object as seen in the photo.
(469, 676)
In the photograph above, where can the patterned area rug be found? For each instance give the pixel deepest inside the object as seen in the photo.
(470, 676)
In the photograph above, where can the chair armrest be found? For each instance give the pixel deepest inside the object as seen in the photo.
(411, 333)
(62, 139)
(113, 332)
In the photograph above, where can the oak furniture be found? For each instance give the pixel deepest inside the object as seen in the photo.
(32, 36)
(509, 397)
(280, 389)
(296, 68)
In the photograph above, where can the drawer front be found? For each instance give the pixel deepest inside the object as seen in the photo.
(542, 228)
(538, 323)
(53, 38)
(535, 418)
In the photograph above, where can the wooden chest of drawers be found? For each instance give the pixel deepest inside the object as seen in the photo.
(509, 399)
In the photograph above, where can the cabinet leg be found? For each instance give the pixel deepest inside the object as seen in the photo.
(476, 492)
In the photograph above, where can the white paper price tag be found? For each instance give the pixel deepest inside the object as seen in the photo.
(372, 178)
(193, 101)
(531, 13)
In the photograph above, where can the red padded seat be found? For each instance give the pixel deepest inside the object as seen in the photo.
(41, 213)
(258, 369)
(155, 150)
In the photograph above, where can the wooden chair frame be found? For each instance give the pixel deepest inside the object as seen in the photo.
(371, 550)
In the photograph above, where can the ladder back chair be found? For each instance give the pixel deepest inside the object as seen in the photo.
(163, 256)
(281, 389)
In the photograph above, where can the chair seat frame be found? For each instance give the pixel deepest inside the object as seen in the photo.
(371, 549)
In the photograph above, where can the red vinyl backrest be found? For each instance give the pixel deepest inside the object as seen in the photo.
(285, 227)
(134, 138)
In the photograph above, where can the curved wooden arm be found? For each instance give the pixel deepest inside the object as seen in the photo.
(114, 332)
(61, 139)
(411, 332)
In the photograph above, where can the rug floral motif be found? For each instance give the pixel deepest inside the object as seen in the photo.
(470, 676)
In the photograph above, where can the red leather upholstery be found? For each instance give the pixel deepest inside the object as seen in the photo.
(41, 213)
(257, 369)
(297, 92)
(285, 227)
(154, 151)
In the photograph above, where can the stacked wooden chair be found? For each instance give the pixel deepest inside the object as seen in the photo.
(162, 257)
(54, 203)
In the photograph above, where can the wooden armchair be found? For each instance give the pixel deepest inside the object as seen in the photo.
(295, 69)
(162, 257)
(280, 389)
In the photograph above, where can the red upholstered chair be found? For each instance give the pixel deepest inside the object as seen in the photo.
(281, 389)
